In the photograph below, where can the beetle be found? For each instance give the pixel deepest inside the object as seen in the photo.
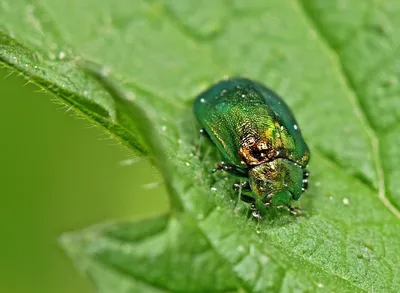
(260, 140)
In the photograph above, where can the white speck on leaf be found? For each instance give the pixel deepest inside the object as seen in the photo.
(61, 55)
(130, 162)
(151, 185)
(105, 71)
(131, 96)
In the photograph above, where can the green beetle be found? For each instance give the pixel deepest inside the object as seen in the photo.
(260, 139)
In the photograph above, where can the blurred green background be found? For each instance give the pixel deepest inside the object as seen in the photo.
(59, 173)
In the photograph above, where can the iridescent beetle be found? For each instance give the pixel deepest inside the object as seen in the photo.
(260, 139)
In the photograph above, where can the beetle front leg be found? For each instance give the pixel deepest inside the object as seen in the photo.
(239, 187)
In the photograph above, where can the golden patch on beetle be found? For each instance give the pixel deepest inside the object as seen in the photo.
(245, 155)
(305, 157)
(268, 132)
(256, 153)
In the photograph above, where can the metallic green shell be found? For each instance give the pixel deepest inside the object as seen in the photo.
(250, 124)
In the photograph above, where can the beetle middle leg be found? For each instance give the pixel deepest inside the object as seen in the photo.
(232, 169)
(204, 133)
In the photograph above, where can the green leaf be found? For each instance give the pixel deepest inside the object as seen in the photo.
(148, 256)
(135, 69)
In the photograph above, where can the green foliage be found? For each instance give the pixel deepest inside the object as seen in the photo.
(135, 69)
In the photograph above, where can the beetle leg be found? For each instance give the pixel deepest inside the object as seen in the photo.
(306, 174)
(239, 187)
(257, 213)
(204, 133)
(232, 169)
(247, 198)
(245, 185)
(296, 211)
(253, 212)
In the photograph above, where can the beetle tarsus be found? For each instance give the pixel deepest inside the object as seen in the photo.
(255, 213)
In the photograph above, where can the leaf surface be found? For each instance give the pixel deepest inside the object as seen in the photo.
(135, 68)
